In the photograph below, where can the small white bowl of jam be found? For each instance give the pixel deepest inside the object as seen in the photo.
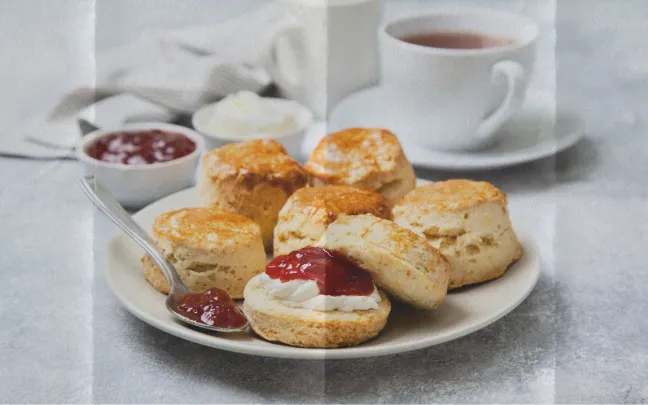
(142, 162)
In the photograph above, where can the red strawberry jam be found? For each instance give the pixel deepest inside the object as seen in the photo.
(334, 273)
(213, 307)
(141, 147)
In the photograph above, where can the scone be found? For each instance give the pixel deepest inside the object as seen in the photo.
(309, 211)
(315, 298)
(365, 158)
(253, 178)
(468, 222)
(402, 263)
(209, 248)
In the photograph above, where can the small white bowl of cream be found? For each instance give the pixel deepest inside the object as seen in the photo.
(245, 116)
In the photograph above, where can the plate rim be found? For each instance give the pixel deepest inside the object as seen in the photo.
(289, 352)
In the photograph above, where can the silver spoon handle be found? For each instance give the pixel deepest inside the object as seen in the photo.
(113, 210)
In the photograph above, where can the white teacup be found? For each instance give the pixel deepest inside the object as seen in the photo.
(453, 98)
(326, 50)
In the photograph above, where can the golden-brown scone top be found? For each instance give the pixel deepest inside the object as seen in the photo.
(341, 200)
(453, 195)
(209, 248)
(368, 158)
(203, 228)
(253, 178)
(254, 161)
(309, 211)
(352, 155)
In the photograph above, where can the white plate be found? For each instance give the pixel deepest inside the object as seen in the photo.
(530, 135)
(462, 312)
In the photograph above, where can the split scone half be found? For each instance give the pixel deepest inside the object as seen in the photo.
(271, 319)
(309, 211)
(368, 158)
(313, 297)
(468, 222)
(253, 178)
(209, 248)
(401, 262)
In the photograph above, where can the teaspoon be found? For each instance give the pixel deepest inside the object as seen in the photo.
(105, 201)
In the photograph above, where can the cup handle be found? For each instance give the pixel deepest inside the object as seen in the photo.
(287, 72)
(515, 82)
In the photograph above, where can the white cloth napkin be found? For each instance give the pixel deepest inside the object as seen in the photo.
(179, 70)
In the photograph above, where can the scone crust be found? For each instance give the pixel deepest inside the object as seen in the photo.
(209, 248)
(154, 275)
(370, 158)
(468, 222)
(253, 178)
(452, 195)
(309, 211)
(254, 161)
(204, 228)
(276, 322)
(469, 278)
(401, 262)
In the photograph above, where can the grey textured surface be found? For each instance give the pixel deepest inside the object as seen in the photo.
(581, 337)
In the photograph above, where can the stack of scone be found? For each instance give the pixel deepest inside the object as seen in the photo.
(342, 248)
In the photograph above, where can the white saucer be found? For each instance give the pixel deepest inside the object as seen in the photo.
(464, 311)
(529, 136)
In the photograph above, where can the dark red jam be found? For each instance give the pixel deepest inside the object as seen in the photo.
(214, 307)
(334, 273)
(141, 147)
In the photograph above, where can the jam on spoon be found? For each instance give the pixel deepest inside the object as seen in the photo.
(333, 273)
(213, 307)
